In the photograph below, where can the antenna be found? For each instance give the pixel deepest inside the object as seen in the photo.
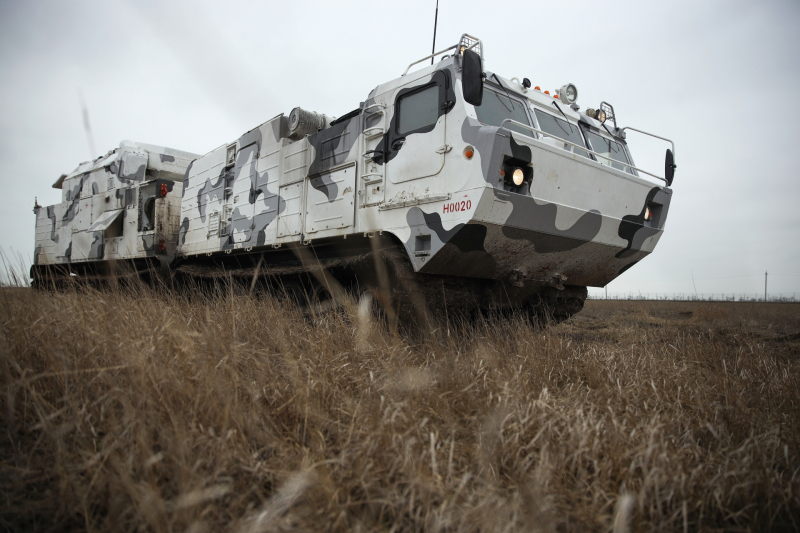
(86, 126)
(435, 22)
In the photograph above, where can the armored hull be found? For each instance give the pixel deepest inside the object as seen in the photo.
(493, 201)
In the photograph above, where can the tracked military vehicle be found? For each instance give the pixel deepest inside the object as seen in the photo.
(124, 205)
(479, 190)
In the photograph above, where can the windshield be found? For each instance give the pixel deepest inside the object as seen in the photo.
(562, 129)
(608, 148)
(497, 107)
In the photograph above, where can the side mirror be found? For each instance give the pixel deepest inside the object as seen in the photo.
(472, 77)
(669, 167)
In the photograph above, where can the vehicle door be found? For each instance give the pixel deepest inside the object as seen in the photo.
(415, 142)
(242, 196)
(146, 220)
(291, 182)
(331, 185)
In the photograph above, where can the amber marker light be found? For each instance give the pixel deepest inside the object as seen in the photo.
(547, 92)
(537, 88)
(469, 152)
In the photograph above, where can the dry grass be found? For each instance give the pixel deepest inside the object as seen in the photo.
(133, 410)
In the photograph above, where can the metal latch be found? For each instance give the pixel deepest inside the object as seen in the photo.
(444, 149)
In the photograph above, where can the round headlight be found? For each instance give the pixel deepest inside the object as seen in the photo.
(568, 93)
(518, 177)
(601, 115)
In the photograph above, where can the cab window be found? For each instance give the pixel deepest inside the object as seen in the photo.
(562, 129)
(418, 110)
(497, 107)
(608, 148)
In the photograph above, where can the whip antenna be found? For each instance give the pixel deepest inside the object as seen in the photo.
(435, 22)
(86, 126)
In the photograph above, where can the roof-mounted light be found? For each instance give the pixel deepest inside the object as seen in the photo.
(597, 114)
(568, 93)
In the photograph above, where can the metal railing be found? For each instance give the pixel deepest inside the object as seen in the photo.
(584, 148)
(473, 45)
(428, 57)
(657, 137)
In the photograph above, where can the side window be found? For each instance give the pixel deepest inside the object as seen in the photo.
(497, 107)
(561, 129)
(609, 148)
(418, 110)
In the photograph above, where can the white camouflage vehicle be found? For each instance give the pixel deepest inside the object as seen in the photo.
(485, 192)
(124, 205)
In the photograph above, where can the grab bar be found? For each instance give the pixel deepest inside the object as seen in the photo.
(656, 136)
(585, 149)
(428, 57)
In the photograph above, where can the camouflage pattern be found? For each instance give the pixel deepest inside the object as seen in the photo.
(114, 208)
(577, 220)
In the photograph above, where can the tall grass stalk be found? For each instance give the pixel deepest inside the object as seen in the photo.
(140, 409)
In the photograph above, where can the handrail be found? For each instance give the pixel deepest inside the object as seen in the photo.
(473, 45)
(653, 135)
(584, 148)
(428, 57)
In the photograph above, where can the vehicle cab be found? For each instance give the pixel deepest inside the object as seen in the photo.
(515, 183)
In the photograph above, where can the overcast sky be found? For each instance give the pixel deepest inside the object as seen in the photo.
(719, 78)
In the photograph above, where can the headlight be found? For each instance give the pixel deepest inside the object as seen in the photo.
(568, 93)
(648, 215)
(516, 173)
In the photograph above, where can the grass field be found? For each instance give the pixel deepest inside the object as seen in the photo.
(136, 411)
